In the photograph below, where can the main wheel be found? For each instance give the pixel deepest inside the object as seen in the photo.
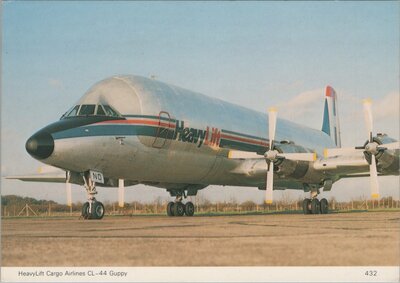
(324, 206)
(170, 209)
(179, 209)
(85, 210)
(97, 210)
(315, 206)
(189, 209)
(306, 205)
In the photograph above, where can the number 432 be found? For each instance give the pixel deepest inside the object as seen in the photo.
(371, 273)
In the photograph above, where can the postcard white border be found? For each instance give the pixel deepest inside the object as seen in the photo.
(201, 274)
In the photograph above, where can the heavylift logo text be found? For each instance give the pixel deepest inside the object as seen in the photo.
(209, 136)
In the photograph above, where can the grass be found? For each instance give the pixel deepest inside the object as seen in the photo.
(203, 213)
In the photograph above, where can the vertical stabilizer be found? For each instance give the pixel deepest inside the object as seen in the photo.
(330, 123)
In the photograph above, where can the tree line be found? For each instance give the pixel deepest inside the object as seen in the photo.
(13, 205)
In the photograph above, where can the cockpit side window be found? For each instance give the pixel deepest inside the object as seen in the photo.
(73, 112)
(87, 109)
(110, 111)
(100, 110)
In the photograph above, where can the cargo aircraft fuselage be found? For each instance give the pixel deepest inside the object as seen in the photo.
(132, 130)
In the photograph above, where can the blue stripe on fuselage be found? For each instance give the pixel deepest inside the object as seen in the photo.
(244, 135)
(106, 130)
(139, 130)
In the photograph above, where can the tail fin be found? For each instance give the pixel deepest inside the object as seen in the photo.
(330, 123)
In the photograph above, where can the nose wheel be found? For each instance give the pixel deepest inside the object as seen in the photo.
(92, 209)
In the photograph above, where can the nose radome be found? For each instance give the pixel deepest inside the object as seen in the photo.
(40, 145)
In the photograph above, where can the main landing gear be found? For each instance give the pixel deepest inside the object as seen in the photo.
(92, 209)
(315, 206)
(177, 208)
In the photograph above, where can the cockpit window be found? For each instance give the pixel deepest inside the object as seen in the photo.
(87, 109)
(73, 112)
(91, 109)
(100, 110)
(110, 112)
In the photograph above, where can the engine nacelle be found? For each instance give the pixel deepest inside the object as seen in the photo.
(291, 168)
(388, 161)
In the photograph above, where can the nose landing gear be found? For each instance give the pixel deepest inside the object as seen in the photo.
(92, 209)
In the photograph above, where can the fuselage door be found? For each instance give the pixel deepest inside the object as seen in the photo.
(163, 131)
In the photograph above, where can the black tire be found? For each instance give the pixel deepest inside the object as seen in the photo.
(170, 209)
(306, 205)
(189, 208)
(315, 206)
(97, 210)
(179, 209)
(85, 210)
(324, 207)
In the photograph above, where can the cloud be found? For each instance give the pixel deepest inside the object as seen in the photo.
(307, 108)
(56, 83)
(387, 107)
(303, 102)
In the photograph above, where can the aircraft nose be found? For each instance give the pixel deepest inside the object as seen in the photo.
(40, 145)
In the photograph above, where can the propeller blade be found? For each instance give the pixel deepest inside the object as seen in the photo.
(368, 117)
(390, 146)
(238, 154)
(121, 193)
(272, 113)
(270, 184)
(69, 193)
(299, 156)
(270, 155)
(330, 152)
(374, 178)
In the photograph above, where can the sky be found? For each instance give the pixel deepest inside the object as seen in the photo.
(256, 54)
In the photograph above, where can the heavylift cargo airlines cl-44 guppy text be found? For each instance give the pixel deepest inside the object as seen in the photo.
(129, 130)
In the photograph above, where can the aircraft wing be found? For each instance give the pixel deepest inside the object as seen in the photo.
(252, 166)
(45, 173)
(45, 177)
(343, 165)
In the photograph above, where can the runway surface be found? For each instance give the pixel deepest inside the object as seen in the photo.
(364, 238)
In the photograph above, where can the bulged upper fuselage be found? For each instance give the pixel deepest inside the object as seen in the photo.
(146, 131)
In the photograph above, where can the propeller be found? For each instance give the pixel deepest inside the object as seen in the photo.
(68, 188)
(273, 155)
(369, 150)
(270, 155)
(121, 193)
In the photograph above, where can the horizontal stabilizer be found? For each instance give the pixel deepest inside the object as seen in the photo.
(341, 151)
(390, 146)
(353, 151)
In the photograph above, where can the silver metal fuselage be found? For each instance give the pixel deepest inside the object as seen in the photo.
(172, 137)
